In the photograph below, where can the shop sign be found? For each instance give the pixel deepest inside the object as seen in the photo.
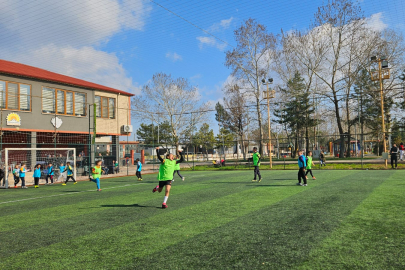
(13, 119)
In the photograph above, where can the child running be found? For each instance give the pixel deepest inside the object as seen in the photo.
(309, 165)
(177, 169)
(16, 175)
(165, 176)
(37, 175)
(302, 165)
(256, 162)
(50, 173)
(23, 170)
(69, 171)
(96, 172)
(138, 169)
(61, 172)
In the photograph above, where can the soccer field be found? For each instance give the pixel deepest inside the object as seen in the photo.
(216, 220)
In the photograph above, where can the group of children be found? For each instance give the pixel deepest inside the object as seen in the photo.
(304, 163)
(19, 174)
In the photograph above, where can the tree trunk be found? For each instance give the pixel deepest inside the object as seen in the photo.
(306, 140)
(259, 117)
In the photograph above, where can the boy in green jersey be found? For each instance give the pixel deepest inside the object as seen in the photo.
(166, 171)
(256, 162)
(309, 165)
(96, 172)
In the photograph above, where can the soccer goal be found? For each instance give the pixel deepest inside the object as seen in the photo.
(10, 157)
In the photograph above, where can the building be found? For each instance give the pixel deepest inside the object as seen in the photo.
(44, 109)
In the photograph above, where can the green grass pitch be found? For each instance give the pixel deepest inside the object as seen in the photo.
(215, 220)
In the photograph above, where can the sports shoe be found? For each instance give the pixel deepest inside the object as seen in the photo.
(63, 184)
(305, 185)
(313, 178)
(99, 189)
(183, 178)
(155, 189)
(46, 184)
(15, 186)
(139, 179)
(24, 187)
(164, 205)
(260, 180)
(254, 180)
(74, 183)
(36, 186)
(299, 184)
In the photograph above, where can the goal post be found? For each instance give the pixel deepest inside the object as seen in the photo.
(10, 157)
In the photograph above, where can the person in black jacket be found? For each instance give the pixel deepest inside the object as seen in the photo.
(394, 157)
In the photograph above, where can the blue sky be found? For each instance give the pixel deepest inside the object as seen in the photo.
(122, 43)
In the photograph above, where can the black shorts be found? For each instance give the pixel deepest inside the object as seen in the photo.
(164, 183)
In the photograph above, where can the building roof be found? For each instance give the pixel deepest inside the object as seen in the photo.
(129, 142)
(21, 70)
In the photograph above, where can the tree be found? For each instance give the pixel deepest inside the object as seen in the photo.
(342, 47)
(296, 113)
(250, 61)
(169, 99)
(205, 137)
(153, 134)
(224, 138)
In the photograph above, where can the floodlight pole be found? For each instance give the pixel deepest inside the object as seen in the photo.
(267, 96)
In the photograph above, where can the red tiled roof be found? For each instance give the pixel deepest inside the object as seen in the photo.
(12, 68)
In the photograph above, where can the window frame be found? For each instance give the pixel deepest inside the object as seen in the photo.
(108, 107)
(56, 90)
(18, 96)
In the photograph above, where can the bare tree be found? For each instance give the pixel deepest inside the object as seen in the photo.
(250, 61)
(235, 103)
(343, 44)
(170, 100)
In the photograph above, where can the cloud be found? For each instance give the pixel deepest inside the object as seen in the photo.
(174, 56)
(210, 41)
(62, 36)
(376, 23)
(222, 25)
(80, 63)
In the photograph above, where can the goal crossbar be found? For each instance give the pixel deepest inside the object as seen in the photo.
(6, 159)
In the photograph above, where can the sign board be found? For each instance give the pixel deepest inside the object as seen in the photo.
(56, 122)
(385, 155)
(13, 119)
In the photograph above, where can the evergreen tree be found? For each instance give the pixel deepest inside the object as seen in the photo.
(296, 113)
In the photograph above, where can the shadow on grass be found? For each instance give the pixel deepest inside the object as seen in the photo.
(124, 205)
(258, 185)
(71, 191)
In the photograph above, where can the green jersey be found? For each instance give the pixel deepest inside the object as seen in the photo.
(96, 171)
(309, 163)
(166, 170)
(256, 159)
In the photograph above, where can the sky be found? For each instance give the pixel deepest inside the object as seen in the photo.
(122, 43)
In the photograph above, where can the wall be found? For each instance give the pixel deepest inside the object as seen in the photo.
(35, 119)
(122, 114)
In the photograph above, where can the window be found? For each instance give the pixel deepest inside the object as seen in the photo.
(80, 104)
(105, 107)
(65, 102)
(15, 96)
(60, 102)
(69, 103)
(25, 100)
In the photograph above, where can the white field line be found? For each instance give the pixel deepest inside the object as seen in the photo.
(70, 193)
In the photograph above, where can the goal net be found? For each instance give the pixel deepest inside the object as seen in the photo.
(10, 157)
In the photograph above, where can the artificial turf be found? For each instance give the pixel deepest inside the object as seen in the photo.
(215, 220)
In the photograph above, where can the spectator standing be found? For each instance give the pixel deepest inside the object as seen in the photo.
(394, 157)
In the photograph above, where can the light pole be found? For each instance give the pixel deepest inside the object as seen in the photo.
(268, 95)
(381, 74)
